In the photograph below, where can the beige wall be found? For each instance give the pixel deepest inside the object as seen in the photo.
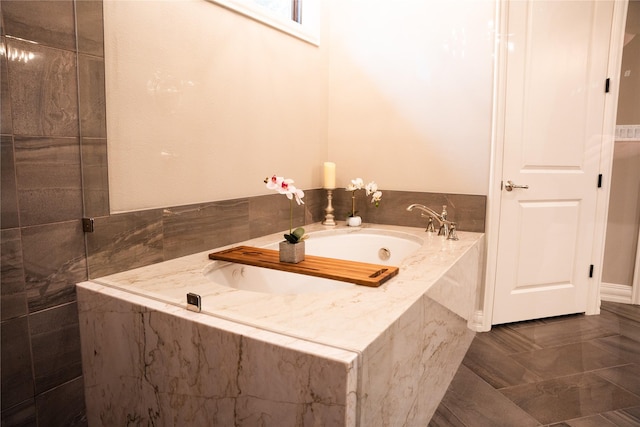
(410, 93)
(202, 102)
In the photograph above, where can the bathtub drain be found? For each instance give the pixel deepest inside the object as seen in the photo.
(384, 254)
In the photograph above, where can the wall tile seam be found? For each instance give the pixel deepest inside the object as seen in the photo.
(33, 399)
(54, 307)
(38, 43)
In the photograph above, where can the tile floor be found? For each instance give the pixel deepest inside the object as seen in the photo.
(578, 371)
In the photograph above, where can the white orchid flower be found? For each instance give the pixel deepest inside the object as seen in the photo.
(299, 194)
(371, 188)
(285, 186)
(377, 195)
(274, 183)
(356, 184)
(291, 191)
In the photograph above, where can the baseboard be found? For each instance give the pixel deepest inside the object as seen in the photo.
(477, 324)
(616, 293)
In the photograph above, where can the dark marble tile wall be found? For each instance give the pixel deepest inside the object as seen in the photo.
(129, 240)
(132, 240)
(42, 247)
(468, 211)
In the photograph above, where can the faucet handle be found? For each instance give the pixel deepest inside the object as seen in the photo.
(452, 232)
(430, 227)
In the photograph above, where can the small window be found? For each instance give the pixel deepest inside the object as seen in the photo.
(285, 9)
(293, 17)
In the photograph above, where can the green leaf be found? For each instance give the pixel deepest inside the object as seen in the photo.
(291, 238)
(298, 232)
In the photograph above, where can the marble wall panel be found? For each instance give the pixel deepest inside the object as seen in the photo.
(47, 22)
(91, 94)
(407, 370)
(124, 241)
(89, 27)
(54, 261)
(149, 367)
(44, 94)
(154, 367)
(43, 253)
(95, 177)
(293, 379)
(112, 341)
(466, 210)
(195, 228)
(447, 347)
(55, 341)
(458, 290)
(5, 105)
(315, 202)
(182, 230)
(63, 405)
(23, 414)
(17, 381)
(8, 190)
(272, 213)
(12, 286)
(48, 179)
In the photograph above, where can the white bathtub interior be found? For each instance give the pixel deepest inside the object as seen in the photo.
(257, 279)
(370, 246)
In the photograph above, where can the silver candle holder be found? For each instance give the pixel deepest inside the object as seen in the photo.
(328, 216)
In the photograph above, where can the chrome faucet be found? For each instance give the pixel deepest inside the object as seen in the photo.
(447, 228)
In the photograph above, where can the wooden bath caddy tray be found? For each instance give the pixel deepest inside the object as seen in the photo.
(360, 273)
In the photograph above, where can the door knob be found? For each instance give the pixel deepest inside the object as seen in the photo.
(510, 185)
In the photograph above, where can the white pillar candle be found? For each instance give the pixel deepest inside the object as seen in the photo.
(329, 175)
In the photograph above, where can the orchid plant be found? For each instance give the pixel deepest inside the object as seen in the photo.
(285, 186)
(371, 189)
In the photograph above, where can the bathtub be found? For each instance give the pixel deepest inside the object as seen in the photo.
(370, 246)
(346, 355)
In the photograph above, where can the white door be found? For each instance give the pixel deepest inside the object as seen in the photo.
(553, 122)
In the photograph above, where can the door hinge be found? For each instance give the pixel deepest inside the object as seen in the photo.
(87, 225)
(600, 181)
(607, 83)
(591, 270)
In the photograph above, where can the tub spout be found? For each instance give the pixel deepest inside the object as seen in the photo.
(447, 228)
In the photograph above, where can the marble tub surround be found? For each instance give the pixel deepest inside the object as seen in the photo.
(408, 345)
(313, 316)
(159, 364)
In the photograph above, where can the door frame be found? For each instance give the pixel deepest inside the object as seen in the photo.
(635, 291)
(483, 316)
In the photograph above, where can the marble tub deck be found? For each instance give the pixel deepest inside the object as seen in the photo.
(355, 356)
